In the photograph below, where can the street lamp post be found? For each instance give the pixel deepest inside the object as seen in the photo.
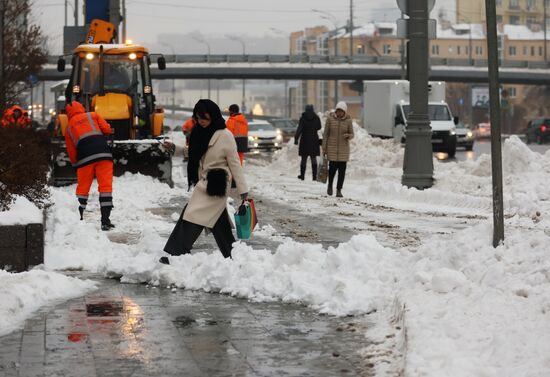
(199, 38)
(243, 100)
(287, 89)
(329, 17)
(173, 80)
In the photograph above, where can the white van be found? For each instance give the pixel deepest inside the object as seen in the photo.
(387, 108)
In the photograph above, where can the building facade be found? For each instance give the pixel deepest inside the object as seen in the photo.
(513, 12)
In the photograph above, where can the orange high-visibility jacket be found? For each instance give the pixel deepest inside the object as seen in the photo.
(238, 125)
(188, 125)
(85, 138)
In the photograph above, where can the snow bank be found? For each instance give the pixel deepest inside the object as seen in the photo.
(474, 310)
(23, 293)
(355, 278)
(22, 211)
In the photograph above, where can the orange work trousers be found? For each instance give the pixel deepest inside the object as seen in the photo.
(241, 157)
(102, 170)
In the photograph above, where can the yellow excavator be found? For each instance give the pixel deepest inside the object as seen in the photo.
(114, 80)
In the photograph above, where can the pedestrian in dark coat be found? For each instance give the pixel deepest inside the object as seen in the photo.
(307, 135)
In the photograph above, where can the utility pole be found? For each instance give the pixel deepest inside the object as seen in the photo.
(418, 161)
(66, 17)
(351, 28)
(402, 51)
(75, 12)
(124, 21)
(544, 23)
(2, 97)
(494, 100)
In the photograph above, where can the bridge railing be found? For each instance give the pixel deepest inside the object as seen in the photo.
(331, 59)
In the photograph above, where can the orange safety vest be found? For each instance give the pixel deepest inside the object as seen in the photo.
(238, 125)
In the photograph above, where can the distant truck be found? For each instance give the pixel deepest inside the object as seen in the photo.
(387, 108)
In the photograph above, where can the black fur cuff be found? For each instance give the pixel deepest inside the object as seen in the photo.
(216, 182)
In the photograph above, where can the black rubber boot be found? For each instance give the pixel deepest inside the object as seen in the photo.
(81, 211)
(329, 190)
(302, 172)
(106, 223)
(339, 193)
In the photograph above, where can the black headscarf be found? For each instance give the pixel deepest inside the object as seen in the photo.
(200, 137)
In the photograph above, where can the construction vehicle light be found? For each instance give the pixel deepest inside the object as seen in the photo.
(76, 89)
(132, 56)
(89, 56)
(129, 42)
(147, 89)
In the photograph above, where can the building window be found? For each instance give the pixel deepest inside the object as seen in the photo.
(524, 50)
(435, 49)
(458, 50)
(467, 50)
(479, 50)
(530, 4)
(511, 91)
(498, 3)
(361, 49)
(514, 20)
(512, 50)
(386, 49)
(532, 50)
(322, 45)
(540, 50)
(514, 4)
(499, 18)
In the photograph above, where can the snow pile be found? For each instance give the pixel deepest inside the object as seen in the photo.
(525, 177)
(474, 310)
(82, 245)
(21, 212)
(23, 293)
(356, 277)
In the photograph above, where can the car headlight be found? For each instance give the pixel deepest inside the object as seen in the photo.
(279, 137)
(469, 134)
(452, 131)
(279, 132)
(251, 138)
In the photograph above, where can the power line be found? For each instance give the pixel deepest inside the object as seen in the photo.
(225, 21)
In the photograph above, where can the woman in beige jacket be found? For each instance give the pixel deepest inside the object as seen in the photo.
(213, 163)
(336, 136)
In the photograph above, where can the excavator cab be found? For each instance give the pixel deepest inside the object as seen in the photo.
(114, 80)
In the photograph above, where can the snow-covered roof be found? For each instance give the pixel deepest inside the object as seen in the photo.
(522, 32)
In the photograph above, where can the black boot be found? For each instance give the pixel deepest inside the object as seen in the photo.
(164, 260)
(329, 190)
(81, 211)
(302, 172)
(106, 223)
(339, 193)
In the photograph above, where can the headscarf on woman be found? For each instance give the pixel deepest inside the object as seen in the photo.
(200, 136)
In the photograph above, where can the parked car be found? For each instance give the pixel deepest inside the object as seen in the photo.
(538, 130)
(287, 127)
(262, 135)
(483, 130)
(464, 136)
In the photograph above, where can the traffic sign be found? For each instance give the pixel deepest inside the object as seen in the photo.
(404, 5)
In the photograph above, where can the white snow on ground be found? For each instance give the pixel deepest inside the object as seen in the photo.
(21, 212)
(23, 293)
(472, 310)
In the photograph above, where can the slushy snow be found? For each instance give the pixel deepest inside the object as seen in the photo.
(471, 309)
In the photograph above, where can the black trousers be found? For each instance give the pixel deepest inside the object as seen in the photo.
(303, 165)
(222, 234)
(340, 167)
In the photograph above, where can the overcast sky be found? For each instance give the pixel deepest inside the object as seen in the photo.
(147, 19)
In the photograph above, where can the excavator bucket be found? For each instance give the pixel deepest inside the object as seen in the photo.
(148, 157)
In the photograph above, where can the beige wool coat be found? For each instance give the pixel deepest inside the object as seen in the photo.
(202, 208)
(336, 136)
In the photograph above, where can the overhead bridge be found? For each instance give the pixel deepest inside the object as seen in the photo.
(304, 67)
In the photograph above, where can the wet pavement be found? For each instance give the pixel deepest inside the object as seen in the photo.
(138, 330)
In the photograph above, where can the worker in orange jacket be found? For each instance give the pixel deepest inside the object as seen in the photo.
(13, 117)
(91, 156)
(238, 125)
(187, 128)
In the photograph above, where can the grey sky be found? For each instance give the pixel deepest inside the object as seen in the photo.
(148, 19)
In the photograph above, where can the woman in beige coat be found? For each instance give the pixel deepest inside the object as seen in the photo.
(213, 163)
(336, 136)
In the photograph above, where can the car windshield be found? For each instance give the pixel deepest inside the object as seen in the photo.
(120, 75)
(436, 112)
(283, 123)
(461, 125)
(260, 127)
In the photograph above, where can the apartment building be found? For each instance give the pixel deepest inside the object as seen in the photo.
(513, 12)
